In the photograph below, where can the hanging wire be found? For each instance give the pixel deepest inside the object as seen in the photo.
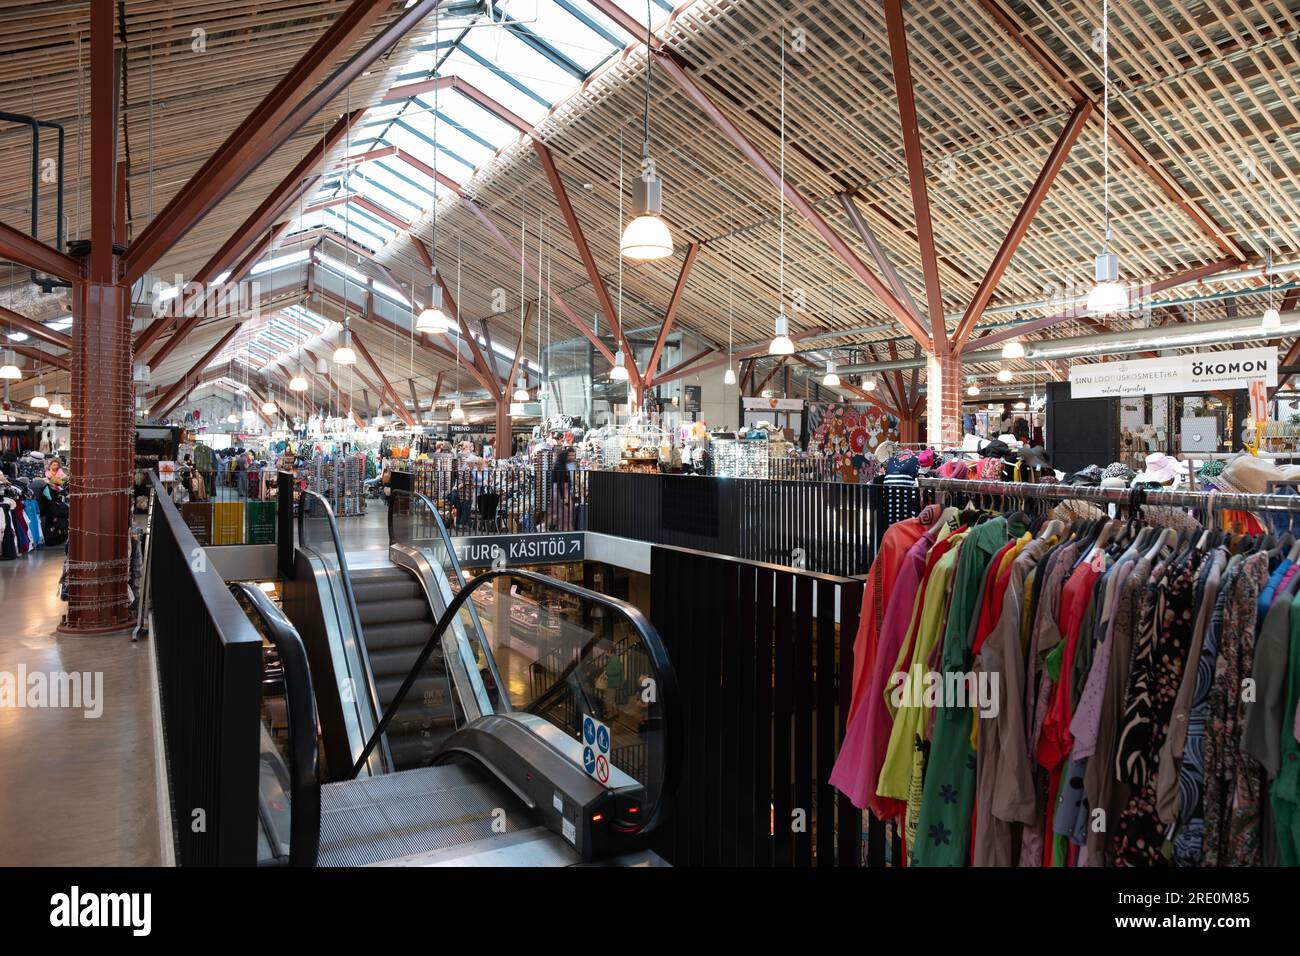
(1105, 119)
(780, 192)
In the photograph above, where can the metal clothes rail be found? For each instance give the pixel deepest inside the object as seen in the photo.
(1240, 501)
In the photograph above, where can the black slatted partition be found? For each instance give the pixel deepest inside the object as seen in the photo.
(834, 524)
(210, 683)
(764, 674)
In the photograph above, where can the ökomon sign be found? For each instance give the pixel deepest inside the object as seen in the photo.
(1194, 372)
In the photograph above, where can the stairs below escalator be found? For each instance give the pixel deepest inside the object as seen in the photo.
(396, 622)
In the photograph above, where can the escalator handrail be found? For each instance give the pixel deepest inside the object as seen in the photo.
(304, 754)
(354, 616)
(459, 582)
(665, 676)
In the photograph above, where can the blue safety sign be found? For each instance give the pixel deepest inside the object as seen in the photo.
(589, 730)
(595, 750)
(589, 760)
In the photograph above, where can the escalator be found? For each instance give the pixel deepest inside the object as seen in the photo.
(452, 709)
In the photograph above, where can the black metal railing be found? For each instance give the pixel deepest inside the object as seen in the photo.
(508, 499)
(765, 678)
(210, 679)
(302, 759)
(821, 526)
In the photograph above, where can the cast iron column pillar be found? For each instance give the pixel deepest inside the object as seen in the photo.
(102, 459)
(943, 401)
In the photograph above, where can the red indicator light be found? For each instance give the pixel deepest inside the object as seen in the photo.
(633, 809)
(597, 817)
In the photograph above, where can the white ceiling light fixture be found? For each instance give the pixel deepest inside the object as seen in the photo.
(766, 393)
(618, 372)
(233, 417)
(521, 390)
(56, 406)
(729, 376)
(781, 343)
(343, 355)
(647, 236)
(1108, 295)
(10, 371)
(831, 379)
(432, 318)
(1013, 349)
(39, 400)
(868, 383)
(1272, 320)
(457, 413)
(1005, 375)
(973, 390)
(1020, 406)
(66, 413)
(270, 408)
(299, 381)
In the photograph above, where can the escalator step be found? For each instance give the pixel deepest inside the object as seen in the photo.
(367, 592)
(395, 611)
(432, 688)
(398, 661)
(383, 637)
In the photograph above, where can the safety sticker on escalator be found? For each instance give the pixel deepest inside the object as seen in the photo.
(595, 748)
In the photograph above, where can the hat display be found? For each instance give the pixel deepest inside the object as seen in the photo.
(1035, 456)
(1091, 475)
(995, 449)
(1117, 469)
(1161, 469)
(1114, 481)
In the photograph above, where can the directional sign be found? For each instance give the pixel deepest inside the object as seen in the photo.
(481, 551)
(595, 749)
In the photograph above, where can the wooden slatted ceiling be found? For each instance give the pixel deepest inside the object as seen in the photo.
(1199, 87)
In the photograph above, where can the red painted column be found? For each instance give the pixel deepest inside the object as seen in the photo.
(505, 437)
(943, 401)
(102, 460)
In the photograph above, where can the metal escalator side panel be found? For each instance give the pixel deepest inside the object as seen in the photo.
(340, 665)
(594, 819)
(456, 642)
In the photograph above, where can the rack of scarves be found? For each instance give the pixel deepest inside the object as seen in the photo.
(1041, 682)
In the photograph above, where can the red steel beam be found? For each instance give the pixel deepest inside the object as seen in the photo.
(21, 323)
(299, 179)
(415, 398)
(1025, 38)
(683, 366)
(696, 94)
(902, 67)
(490, 372)
(103, 141)
(670, 314)
(1020, 225)
(588, 260)
(519, 349)
(878, 253)
(356, 159)
(859, 393)
(36, 355)
(1037, 325)
(26, 251)
(327, 203)
(190, 323)
(563, 306)
(298, 97)
(425, 169)
(775, 368)
(406, 91)
(385, 387)
(756, 351)
(173, 394)
(468, 90)
(381, 212)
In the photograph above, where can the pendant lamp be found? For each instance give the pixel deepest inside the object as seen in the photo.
(521, 390)
(729, 376)
(1272, 320)
(647, 236)
(1108, 295)
(618, 372)
(432, 318)
(56, 406)
(343, 355)
(270, 408)
(457, 413)
(1005, 375)
(39, 400)
(831, 379)
(781, 343)
(973, 390)
(1013, 349)
(10, 370)
(868, 383)
(299, 381)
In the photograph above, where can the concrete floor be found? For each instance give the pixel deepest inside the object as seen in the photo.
(73, 791)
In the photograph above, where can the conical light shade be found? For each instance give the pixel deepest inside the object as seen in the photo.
(781, 344)
(1013, 349)
(831, 379)
(1005, 375)
(1272, 320)
(56, 406)
(39, 400)
(973, 391)
(618, 372)
(66, 413)
(343, 355)
(521, 390)
(868, 383)
(646, 237)
(1107, 296)
(10, 370)
(432, 318)
(729, 377)
(457, 413)
(270, 408)
(299, 381)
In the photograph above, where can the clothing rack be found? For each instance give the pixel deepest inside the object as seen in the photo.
(1239, 501)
